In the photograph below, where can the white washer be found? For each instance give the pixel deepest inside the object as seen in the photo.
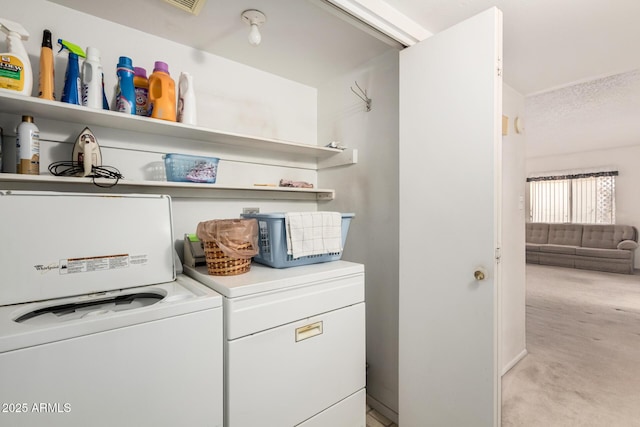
(82, 341)
(294, 345)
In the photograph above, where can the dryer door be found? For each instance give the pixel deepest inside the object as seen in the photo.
(286, 375)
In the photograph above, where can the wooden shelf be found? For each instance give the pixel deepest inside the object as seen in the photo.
(9, 181)
(11, 103)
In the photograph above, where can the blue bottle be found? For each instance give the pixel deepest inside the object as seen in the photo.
(71, 93)
(126, 96)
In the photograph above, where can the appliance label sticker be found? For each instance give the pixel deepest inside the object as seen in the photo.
(89, 264)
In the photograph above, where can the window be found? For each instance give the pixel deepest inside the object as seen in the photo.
(587, 198)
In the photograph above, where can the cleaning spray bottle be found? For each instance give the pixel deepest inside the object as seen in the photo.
(15, 68)
(46, 90)
(71, 93)
(92, 79)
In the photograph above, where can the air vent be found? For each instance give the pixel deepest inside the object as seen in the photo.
(191, 6)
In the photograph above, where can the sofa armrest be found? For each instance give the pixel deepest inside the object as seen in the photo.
(628, 245)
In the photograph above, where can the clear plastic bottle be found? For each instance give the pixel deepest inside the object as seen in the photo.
(28, 147)
(141, 85)
(162, 93)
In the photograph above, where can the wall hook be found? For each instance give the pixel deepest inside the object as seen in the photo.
(362, 95)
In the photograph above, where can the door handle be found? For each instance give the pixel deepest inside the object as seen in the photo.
(308, 331)
(480, 273)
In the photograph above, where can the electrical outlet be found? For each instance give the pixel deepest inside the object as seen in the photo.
(250, 211)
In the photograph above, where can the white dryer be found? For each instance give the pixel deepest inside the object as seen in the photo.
(294, 345)
(96, 327)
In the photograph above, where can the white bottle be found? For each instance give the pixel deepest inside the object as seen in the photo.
(186, 100)
(92, 79)
(28, 147)
(15, 66)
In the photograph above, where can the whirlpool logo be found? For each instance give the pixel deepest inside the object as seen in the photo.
(45, 268)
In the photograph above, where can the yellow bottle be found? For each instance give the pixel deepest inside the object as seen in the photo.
(162, 93)
(46, 68)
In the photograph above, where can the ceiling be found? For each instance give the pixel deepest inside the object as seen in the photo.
(547, 43)
(552, 47)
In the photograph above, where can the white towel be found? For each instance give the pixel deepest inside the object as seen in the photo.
(313, 233)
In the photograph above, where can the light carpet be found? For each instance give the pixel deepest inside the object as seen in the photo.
(583, 340)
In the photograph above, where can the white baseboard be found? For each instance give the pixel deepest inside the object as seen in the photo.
(514, 361)
(382, 409)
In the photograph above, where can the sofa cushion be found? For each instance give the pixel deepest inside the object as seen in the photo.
(537, 232)
(532, 247)
(610, 265)
(628, 245)
(565, 234)
(604, 253)
(606, 236)
(560, 260)
(558, 249)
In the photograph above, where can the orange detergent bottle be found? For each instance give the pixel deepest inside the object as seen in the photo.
(162, 93)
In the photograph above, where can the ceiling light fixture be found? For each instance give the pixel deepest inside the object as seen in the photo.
(254, 18)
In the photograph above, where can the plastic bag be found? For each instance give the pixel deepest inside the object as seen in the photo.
(230, 235)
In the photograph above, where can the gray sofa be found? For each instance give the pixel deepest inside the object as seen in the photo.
(588, 246)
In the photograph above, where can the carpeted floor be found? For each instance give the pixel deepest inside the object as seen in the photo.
(583, 340)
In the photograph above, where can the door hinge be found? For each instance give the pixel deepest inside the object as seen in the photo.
(498, 255)
(499, 67)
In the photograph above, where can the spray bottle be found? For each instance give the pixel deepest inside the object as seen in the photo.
(15, 68)
(72, 86)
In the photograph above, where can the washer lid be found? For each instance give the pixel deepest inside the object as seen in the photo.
(30, 324)
(101, 305)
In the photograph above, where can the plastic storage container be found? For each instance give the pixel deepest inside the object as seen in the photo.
(272, 241)
(185, 168)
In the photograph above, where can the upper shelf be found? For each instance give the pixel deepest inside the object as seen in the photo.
(14, 103)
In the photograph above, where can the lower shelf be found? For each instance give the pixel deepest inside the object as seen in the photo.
(9, 181)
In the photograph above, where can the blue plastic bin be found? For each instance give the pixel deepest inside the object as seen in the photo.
(273, 242)
(185, 168)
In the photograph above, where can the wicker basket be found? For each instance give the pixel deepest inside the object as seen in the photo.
(219, 264)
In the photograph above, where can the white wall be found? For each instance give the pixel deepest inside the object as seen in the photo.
(623, 159)
(513, 286)
(370, 189)
(230, 97)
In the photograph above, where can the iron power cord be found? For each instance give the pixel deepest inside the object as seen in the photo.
(68, 168)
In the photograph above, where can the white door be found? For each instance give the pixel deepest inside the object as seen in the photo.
(450, 136)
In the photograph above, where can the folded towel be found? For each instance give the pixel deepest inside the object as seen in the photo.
(313, 233)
